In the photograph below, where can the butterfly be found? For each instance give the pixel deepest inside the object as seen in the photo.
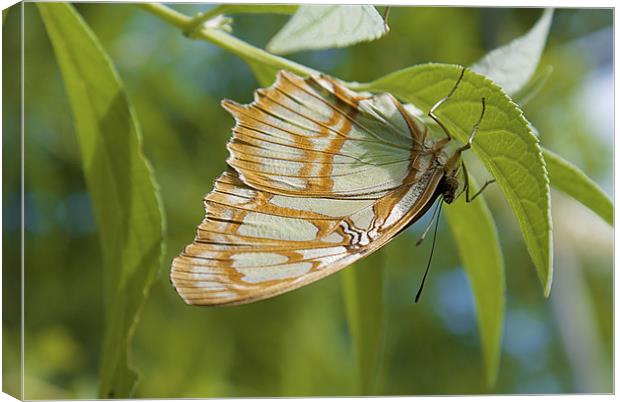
(319, 176)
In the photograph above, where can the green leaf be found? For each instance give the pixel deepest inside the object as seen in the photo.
(476, 238)
(531, 89)
(124, 195)
(568, 178)
(511, 66)
(324, 26)
(504, 143)
(363, 291)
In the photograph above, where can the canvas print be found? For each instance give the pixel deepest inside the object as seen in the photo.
(302, 200)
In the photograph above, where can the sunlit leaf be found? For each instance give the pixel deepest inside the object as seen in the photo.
(363, 291)
(476, 237)
(325, 26)
(570, 179)
(511, 66)
(122, 190)
(504, 143)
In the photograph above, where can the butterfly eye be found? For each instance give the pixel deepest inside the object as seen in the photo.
(450, 187)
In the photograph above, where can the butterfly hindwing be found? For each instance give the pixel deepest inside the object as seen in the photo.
(252, 248)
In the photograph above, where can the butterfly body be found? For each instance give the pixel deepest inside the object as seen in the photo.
(319, 177)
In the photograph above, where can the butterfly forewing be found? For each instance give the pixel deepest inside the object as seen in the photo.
(324, 143)
(320, 176)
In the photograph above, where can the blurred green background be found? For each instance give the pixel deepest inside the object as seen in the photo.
(298, 344)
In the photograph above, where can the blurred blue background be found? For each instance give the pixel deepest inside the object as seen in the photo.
(298, 344)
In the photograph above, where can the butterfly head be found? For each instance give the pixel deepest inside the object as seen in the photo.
(453, 183)
(450, 187)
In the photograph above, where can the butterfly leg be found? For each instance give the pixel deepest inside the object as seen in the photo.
(475, 129)
(486, 183)
(466, 185)
(431, 113)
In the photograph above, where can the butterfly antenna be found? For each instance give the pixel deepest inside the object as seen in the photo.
(428, 265)
(428, 227)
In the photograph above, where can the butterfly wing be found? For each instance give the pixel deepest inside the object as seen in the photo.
(320, 176)
(316, 138)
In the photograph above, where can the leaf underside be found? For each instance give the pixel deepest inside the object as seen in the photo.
(511, 66)
(327, 26)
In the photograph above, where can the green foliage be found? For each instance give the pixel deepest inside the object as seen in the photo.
(476, 237)
(363, 293)
(126, 200)
(511, 66)
(568, 178)
(325, 26)
(123, 192)
(504, 143)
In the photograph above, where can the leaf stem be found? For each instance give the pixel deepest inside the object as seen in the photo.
(167, 14)
(222, 39)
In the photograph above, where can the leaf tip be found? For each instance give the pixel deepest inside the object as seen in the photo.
(547, 291)
(548, 282)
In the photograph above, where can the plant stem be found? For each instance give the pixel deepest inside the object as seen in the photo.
(228, 42)
(167, 14)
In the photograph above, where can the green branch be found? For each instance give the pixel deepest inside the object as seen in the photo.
(195, 28)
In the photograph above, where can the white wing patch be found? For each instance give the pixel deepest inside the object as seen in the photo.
(256, 224)
(328, 207)
(244, 260)
(283, 271)
(333, 237)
